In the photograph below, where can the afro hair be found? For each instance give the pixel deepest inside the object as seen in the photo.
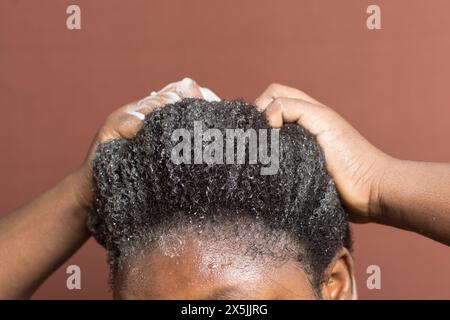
(139, 191)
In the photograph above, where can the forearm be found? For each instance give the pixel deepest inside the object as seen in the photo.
(37, 238)
(416, 196)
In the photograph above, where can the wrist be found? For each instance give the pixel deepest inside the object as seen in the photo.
(380, 189)
(80, 184)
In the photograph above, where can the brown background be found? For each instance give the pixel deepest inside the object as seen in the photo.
(56, 86)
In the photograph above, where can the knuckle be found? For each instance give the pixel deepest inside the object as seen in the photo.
(274, 107)
(127, 120)
(274, 87)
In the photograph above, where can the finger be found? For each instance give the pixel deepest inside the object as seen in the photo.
(137, 114)
(174, 85)
(125, 122)
(120, 125)
(127, 126)
(186, 88)
(170, 87)
(277, 91)
(288, 110)
(208, 95)
(128, 120)
(150, 103)
(274, 114)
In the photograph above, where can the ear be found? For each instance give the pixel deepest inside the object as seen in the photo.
(339, 278)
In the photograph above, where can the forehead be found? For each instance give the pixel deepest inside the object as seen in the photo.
(202, 269)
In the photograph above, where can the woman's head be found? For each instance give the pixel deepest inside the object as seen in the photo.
(219, 230)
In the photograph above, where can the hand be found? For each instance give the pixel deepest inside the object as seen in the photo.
(356, 166)
(126, 121)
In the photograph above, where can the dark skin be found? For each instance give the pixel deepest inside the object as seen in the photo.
(374, 186)
(37, 238)
(205, 270)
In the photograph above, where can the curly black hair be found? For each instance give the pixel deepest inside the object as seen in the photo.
(140, 193)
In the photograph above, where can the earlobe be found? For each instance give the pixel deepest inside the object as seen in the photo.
(339, 278)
